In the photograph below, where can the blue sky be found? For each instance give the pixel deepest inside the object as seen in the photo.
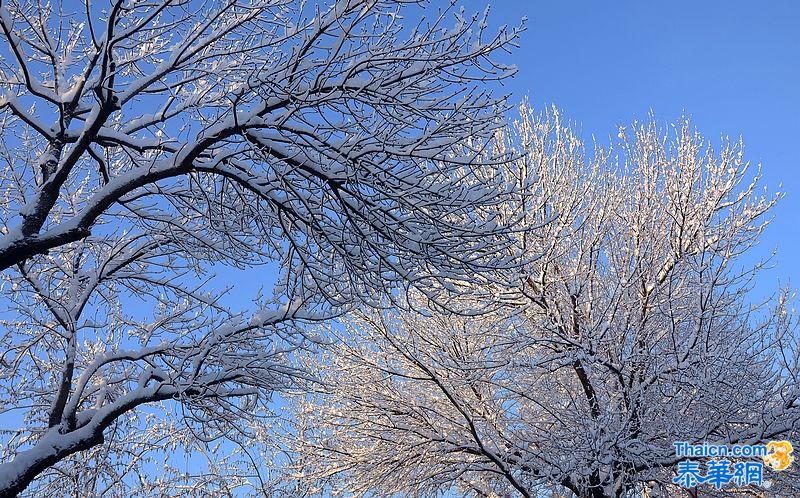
(732, 66)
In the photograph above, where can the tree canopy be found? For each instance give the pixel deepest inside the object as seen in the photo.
(636, 329)
(145, 144)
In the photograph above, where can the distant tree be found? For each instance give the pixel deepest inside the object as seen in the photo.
(636, 329)
(145, 143)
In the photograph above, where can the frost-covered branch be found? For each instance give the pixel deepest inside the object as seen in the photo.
(635, 328)
(151, 148)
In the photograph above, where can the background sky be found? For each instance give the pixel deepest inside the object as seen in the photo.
(733, 67)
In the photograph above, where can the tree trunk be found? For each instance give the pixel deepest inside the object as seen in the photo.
(17, 474)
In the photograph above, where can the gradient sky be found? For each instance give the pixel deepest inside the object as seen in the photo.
(732, 66)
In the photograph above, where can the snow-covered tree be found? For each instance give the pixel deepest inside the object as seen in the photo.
(144, 144)
(637, 329)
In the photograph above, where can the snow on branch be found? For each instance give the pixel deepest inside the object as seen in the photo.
(150, 147)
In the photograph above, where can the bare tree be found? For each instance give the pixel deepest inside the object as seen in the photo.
(638, 330)
(144, 143)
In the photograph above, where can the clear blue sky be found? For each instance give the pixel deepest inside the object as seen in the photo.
(732, 66)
